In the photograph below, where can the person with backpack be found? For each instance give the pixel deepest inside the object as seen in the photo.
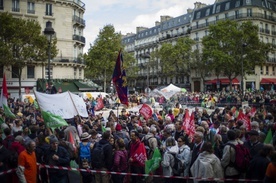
(85, 148)
(169, 158)
(207, 164)
(150, 142)
(9, 138)
(181, 168)
(229, 155)
(102, 158)
(253, 144)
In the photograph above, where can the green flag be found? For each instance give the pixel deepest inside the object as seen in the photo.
(152, 164)
(36, 104)
(52, 120)
(8, 112)
(268, 139)
(1, 121)
(103, 128)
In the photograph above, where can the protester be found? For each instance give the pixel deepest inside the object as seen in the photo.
(271, 170)
(27, 169)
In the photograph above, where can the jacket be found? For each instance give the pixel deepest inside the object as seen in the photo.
(184, 156)
(108, 153)
(228, 156)
(207, 166)
(120, 161)
(168, 160)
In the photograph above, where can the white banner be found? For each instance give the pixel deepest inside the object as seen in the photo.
(79, 104)
(61, 104)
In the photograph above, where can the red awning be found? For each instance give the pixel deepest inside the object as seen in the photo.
(268, 81)
(223, 81)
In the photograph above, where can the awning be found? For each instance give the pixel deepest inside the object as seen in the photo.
(268, 81)
(223, 81)
(83, 86)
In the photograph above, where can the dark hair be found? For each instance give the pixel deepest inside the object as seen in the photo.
(231, 135)
(267, 148)
(182, 138)
(106, 135)
(207, 146)
(7, 131)
(135, 133)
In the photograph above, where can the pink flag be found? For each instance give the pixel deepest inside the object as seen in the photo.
(245, 119)
(191, 129)
(100, 104)
(186, 121)
(146, 111)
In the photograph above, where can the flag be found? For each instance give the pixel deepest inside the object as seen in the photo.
(245, 119)
(146, 111)
(119, 80)
(154, 163)
(191, 129)
(52, 120)
(100, 104)
(1, 121)
(269, 137)
(186, 121)
(36, 104)
(103, 128)
(4, 99)
(139, 157)
(72, 141)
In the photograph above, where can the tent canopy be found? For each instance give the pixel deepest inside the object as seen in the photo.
(173, 88)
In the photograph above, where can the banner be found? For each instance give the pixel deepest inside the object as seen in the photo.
(62, 104)
(146, 111)
(191, 128)
(186, 121)
(53, 121)
(269, 137)
(245, 119)
(140, 155)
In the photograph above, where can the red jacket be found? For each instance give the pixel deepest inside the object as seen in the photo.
(16, 146)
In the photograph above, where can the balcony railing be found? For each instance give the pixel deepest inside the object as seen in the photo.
(31, 11)
(239, 16)
(68, 60)
(14, 9)
(79, 38)
(79, 20)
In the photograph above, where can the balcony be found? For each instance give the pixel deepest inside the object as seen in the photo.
(15, 9)
(31, 11)
(68, 60)
(78, 20)
(79, 3)
(79, 38)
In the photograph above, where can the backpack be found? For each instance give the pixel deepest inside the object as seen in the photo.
(97, 156)
(84, 152)
(242, 158)
(178, 167)
(149, 151)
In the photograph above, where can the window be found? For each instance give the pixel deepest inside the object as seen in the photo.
(248, 2)
(273, 42)
(31, 7)
(15, 72)
(261, 69)
(80, 73)
(249, 12)
(51, 72)
(237, 4)
(266, 70)
(237, 13)
(206, 22)
(49, 9)
(1, 4)
(217, 18)
(196, 24)
(218, 9)
(15, 5)
(227, 6)
(30, 71)
(226, 15)
(198, 15)
(207, 12)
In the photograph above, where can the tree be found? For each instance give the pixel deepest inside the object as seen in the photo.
(21, 43)
(176, 58)
(101, 57)
(224, 48)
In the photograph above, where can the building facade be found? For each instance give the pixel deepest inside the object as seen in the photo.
(194, 24)
(67, 21)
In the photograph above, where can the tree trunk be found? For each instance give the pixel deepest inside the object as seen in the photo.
(19, 80)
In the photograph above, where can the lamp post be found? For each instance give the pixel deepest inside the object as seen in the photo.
(147, 56)
(242, 74)
(49, 32)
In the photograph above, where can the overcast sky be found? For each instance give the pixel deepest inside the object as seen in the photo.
(126, 15)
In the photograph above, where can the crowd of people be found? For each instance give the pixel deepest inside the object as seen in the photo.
(124, 142)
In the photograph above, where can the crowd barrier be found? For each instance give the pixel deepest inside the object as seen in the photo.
(132, 174)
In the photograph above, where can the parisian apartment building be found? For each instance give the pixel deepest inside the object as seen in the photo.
(194, 24)
(68, 23)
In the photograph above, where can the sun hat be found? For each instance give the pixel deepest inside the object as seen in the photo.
(85, 136)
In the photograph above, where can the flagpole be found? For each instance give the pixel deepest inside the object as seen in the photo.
(74, 105)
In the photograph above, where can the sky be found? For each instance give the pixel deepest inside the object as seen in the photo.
(126, 15)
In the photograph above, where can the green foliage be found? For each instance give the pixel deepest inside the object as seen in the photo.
(102, 56)
(176, 58)
(229, 43)
(22, 41)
